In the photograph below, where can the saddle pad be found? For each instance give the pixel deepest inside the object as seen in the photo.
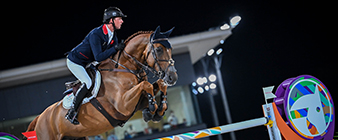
(68, 101)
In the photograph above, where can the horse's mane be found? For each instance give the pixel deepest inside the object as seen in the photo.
(136, 34)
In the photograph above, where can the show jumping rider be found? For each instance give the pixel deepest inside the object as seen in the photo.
(98, 45)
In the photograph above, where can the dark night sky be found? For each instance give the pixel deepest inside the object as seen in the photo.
(274, 41)
(40, 34)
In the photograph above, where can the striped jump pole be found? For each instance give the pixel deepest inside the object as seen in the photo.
(218, 130)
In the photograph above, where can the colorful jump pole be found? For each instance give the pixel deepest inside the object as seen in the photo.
(218, 130)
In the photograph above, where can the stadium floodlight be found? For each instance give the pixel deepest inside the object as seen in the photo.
(193, 84)
(225, 26)
(194, 91)
(201, 80)
(221, 41)
(206, 87)
(219, 51)
(234, 21)
(212, 86)
(200, 90)
(210, 52)
(212, 78)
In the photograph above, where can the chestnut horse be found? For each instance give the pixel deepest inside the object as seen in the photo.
(121, 92)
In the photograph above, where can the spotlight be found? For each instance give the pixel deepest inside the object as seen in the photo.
(221, 41)
(193, 84)
(219, 51)
(205, 80)
(200, 81)
(225, 27)
(206, 88)
(194, 91)
(212, 78)
(210, 52)
(200, 89)
(212, 86)
(234, 21)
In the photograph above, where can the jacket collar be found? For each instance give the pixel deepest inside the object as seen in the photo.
(105, 30)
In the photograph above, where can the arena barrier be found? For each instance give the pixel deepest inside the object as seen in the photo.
(304, 101)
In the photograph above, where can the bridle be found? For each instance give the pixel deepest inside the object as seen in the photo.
(144, 66)
(160, 74)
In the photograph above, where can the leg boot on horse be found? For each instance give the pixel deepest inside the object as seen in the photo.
(72, 113)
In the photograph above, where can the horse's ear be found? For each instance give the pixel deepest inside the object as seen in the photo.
(158, 30)
(167, 33)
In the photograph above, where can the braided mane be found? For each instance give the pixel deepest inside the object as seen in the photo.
(136, 34)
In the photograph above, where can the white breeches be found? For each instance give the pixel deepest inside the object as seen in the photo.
(79, 72)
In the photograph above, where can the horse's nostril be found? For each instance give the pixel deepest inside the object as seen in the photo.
(170, 78)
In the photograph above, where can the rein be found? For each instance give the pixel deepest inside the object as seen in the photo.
(159, 74)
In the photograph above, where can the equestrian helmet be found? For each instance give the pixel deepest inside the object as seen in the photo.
(112, 12)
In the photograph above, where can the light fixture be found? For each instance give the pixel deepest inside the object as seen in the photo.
(206, 88)
(210, 52)
(193, 84)
(221, 41)
(205, 80)
(212, 78)
(200, 89)
(225, 27)
(212, 86)
(234, 21)
(194, 91)
(201, 81)
(219, 51)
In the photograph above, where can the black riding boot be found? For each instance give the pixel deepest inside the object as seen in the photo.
(79, 96)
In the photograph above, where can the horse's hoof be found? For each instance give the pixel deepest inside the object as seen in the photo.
(157, 117)
(147, 116)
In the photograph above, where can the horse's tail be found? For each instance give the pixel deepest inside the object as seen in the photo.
(32, 125)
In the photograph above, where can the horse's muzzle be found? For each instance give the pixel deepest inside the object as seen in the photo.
(170, 77)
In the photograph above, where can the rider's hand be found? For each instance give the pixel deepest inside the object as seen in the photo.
(120, 46)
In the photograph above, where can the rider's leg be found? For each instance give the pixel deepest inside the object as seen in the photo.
(72, 113)
(80, 73)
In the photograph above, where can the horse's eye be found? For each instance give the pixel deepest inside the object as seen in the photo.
(159, 50)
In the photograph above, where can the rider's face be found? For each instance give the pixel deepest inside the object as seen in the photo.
(118, 22)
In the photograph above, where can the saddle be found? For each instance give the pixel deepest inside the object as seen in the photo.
(73, 86)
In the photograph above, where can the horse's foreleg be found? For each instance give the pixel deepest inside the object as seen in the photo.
(160, 86)
(131, 97)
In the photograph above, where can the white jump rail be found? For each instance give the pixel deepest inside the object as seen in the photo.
(218, 130)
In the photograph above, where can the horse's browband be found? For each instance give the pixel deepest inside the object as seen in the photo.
(160, 39)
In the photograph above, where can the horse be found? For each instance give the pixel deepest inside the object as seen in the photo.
(123, 91)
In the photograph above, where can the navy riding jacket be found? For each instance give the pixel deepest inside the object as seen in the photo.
(94, 47)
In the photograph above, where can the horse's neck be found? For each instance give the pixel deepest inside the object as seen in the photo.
(135, 49)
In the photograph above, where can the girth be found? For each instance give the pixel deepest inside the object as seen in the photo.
(114, 122)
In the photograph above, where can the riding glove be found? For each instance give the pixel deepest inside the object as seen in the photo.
(120, 46)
